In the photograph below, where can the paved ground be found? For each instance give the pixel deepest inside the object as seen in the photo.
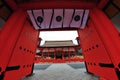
(73, 71)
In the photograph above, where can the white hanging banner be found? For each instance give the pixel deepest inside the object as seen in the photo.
(68, 13)
(77, 19)
(47, 15)
(85, 18)
(57, 18)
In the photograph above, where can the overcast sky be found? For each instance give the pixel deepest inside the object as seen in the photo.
(58, 35)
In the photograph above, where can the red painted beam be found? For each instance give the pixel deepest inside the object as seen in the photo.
(12, 4)
(58, 4)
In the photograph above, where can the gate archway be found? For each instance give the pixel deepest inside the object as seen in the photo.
(99, 40)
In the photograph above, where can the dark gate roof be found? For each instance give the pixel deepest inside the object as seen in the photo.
(58, 43)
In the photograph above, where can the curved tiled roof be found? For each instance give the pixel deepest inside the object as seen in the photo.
(58, 43)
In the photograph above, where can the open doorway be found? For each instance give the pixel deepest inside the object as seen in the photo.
(59, 46)
(60, 70)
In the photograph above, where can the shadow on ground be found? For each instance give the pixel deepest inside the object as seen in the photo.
(70, 71)
(41, 66)
(77, 65)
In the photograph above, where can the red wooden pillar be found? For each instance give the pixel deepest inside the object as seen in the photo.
(55, 55)
(69, 54)
(48, 53)
(42, 60)
(8, 38)
(62, 55)
(75, 53)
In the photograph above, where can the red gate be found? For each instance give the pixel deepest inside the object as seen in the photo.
(99, 40)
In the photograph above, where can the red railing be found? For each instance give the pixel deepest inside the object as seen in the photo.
(39, 59)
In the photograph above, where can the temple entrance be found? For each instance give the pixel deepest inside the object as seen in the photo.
(97, 37)
(58, 54)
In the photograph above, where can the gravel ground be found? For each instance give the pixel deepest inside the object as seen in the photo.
(70, 71)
